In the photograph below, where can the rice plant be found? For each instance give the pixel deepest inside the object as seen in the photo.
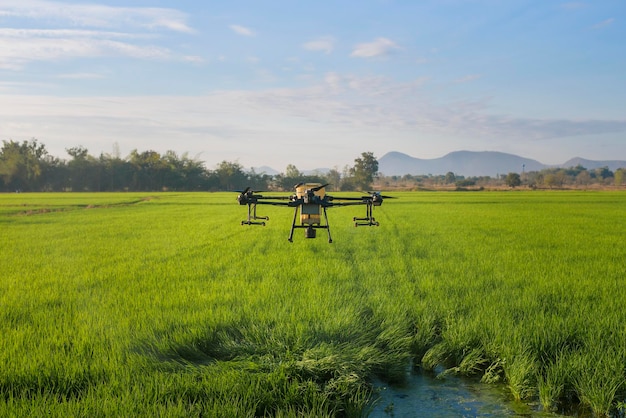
(164, 305)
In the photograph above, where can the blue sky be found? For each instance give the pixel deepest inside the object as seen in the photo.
(316, 83)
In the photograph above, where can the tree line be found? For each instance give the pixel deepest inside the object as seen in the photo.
(27, 166)
(549, 178)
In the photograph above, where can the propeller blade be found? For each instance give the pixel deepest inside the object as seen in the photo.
(318, 188)
(383, 196)
(248, 190)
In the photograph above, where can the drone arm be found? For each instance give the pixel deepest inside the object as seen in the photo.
(349, 199)
(274, 197)
(360, 202)
(369, 202)
(260, 202)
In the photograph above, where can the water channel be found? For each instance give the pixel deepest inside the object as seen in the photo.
(424, 395)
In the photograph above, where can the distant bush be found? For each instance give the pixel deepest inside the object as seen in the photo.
(465, 183)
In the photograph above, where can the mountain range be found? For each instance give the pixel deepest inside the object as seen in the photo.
(473, 163)
(465, 163)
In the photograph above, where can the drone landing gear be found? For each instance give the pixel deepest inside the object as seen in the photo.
(309, 230)
(252, 216)
(368, 220)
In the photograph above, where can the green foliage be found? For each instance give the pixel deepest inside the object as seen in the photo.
(28, 167)
(619, 177)
(21, 164)
(520, 371)
(513, 180)
(551, 385)
(364, 171)
(231, 176)
(293, 176)
(163, 305)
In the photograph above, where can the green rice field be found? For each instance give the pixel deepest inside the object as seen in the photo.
(162, 304)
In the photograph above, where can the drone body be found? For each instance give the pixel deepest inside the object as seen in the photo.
(310, 201)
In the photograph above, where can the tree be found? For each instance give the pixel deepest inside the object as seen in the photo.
(603, 173)
(231, 176)
(333, 177)
(149, 170)
(78, 153)
(21, 164)
(549, 179)
(117, 173)
(513, 180)
(289, 178)
(293, 176)
(292, 171)
(450, 177)
(84, 170)
(583, 178)
(365, 170)
(619, 176)
(258, 181)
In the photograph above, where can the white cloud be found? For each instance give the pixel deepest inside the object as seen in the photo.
(381, 46)
(6, 86)
(95, 15)
(83, 30)
(242, 30)
(343, 110)
(69, 33)
(19, 47)
(194, 58)
(325, 44)
(333, 81)
(605, 23)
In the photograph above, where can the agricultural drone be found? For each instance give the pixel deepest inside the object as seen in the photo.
(310, 200)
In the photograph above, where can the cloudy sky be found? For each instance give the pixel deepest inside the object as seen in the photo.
(316, 83)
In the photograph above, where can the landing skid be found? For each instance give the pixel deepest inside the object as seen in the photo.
(368, 220)
(252, 216)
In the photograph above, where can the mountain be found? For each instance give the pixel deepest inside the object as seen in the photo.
(465, 163)
(471, 163)
(591, 164)
(265, 170)
(317, 171)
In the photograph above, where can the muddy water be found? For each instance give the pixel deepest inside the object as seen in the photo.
(425, 396)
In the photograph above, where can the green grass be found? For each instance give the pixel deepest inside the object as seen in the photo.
(163, 305)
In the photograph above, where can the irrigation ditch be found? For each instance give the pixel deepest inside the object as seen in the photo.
(425, 395)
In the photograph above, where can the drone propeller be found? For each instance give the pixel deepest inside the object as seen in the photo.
(318, 188)
(248, 190)
(247, 196)
(373, 194)
(314, 189)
